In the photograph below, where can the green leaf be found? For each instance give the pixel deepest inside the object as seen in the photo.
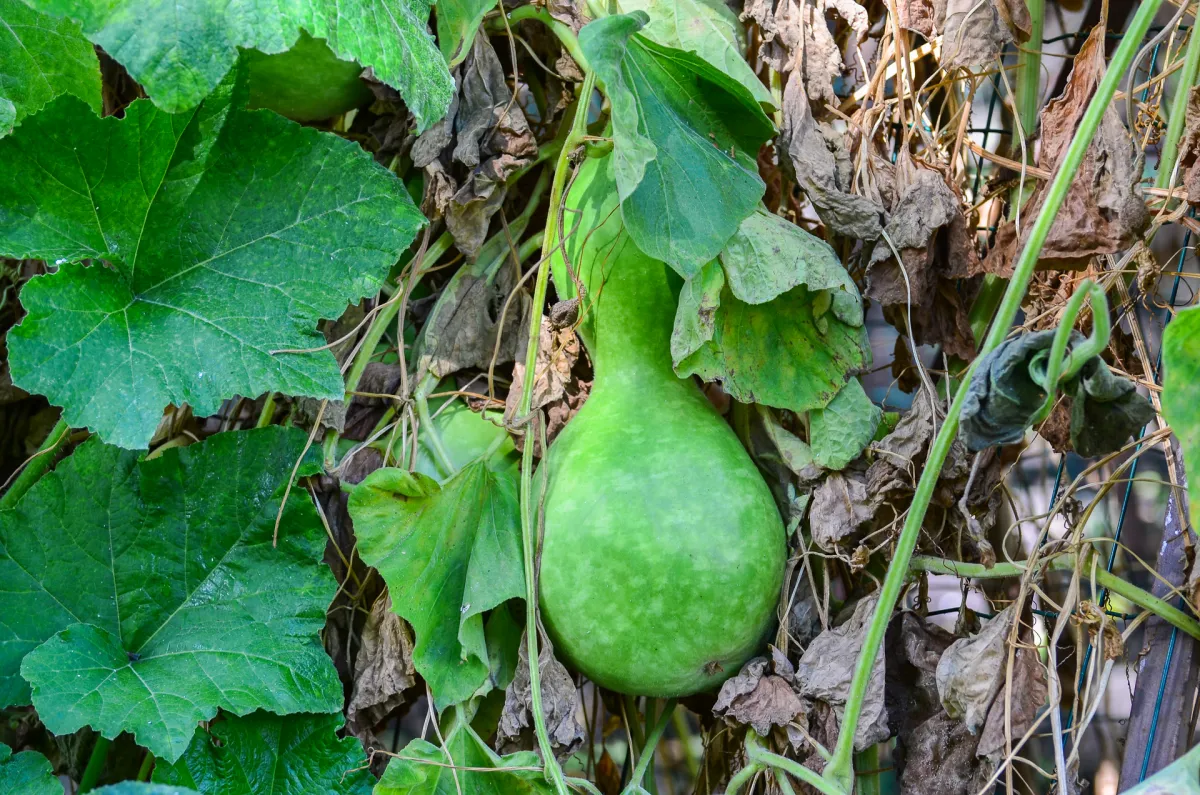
(180, 51)
(265, 754)
(139, 788)
(790, 352)
(230, 233)
(769, 255)
(167, 595)
(27, 773)
(843, 429)
(1181, 777)
(704, 27)
(457, 23)
(448, 554)
(40, 58)
(685, 141)
(1181, 394)
(425, 769)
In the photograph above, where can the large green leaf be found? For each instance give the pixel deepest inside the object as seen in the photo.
(465, 764)
(181, 50)
(265, 754)
(705, 27)
(448, 554)
(27, 773)
(167, 595)
(776, 319)
(40, 58)
(685, 139)
(1181, 394)
(229, 234)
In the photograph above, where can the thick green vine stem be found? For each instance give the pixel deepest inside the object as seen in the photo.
(1104, 578)
(647, 757)
(36, 466)
(840, 770)
(759, 758)
(528, 504)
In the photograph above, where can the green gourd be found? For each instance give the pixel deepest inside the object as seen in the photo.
(307, 82)
(663, 551)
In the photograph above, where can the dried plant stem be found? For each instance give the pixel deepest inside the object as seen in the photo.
(840, 770)
(1178, 118)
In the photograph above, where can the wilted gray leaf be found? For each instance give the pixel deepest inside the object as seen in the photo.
(841, 507)
(970, 672)
(827, 666)
(560, 700)
(1028, 697)
(761, 695)
(383, 670)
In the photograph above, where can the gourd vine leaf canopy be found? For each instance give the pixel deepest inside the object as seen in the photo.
(704, 27)
(266, 753)
(1005, 394)
(843, 429)
(181, 51)
(776, 318)
(685, 138)
(27, 773)
(42, 57)
(448, 554)
(142, 788)
(225, 234)
(1181, 393)
(150, 594)
(425, 769)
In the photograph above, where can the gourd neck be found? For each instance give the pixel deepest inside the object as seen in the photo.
(630, 308)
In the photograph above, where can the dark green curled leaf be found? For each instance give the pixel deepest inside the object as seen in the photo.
(1004, 397)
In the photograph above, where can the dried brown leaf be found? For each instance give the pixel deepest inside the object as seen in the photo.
(1028, 696)
(971, 671)
(559, 702)
(1104, 211)
(841, 508)
(816, 156)
(761, 695)
(383, 669)
(468, 155)
(828, 664)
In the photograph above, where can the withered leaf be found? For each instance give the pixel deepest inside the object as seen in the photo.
(1189, 148)
(559, 702)
(1106, 409)
(1028, 691)
(383, 669)
(971, 671)
(1104, 211)
(936, 242)
(796, 36)
(974, 32)
(558, 350)
(827, 666)
(468, 155)
(940, 757)
(462, 329)
(817, 158)
(841, 508)
(761, 695)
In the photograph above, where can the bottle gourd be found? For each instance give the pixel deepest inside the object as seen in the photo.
(663, 552)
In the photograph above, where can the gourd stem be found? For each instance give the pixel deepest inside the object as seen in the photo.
(562, 31)
(760, 757)
(528, 514)
(147, 766)
(95, 765)
(1178, 118)
(840, 769)
(656, 733)
(1061, 365)
(1104, 578)
(36, 466)
(742, 778)
(430, 432)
